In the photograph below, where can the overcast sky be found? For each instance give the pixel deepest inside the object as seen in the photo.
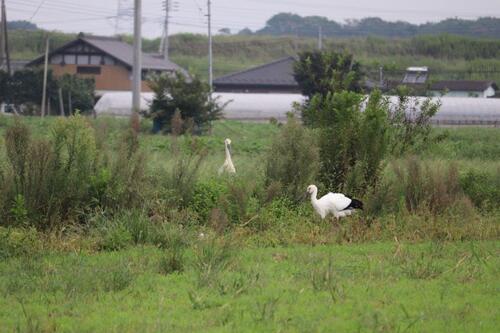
(99, 16)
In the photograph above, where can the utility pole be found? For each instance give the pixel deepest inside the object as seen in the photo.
(320, 38)
(210, 68)
(164, 42)
(2, 41)
(381, 76)
(137, 66)
(45, 71)
(5, 38)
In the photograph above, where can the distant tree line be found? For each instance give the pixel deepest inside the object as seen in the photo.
(21, 25)
(293, 24)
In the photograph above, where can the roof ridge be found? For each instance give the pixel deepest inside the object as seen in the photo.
(255, 68)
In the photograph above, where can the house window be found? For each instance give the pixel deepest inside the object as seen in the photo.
(92, 70)
(82, 59)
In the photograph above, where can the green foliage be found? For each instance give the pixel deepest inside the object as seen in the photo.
(286, 24)
(435, 188)
(55, 181)
(410, 123)
(212, 257)
(25, 87)
(80, 90)
(353, 144)
(24, 90)
(292, 162)
(319, 72)
(207, 196)
(182, 174)
(482, 188)
(19, 242)
(190, 96)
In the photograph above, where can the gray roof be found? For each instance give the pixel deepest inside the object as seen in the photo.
(276, 73)
(463, 85)
(121, 51)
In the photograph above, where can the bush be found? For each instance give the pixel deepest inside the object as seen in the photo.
(56, 181)
(482, 188)
(410, 123)
(192, 98)
(327, 72)
(206, 197)
(432, 187)
(19, 242)
(292, 162)
(353, 144)
(183, 173)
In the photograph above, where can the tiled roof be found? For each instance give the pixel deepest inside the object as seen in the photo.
(121, 51)
(276, 73)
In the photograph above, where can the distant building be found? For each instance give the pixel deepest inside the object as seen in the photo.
(108, 60)
(274, 77)
(416, 75)
(481, 89)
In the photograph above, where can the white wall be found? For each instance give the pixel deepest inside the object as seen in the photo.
(482, 94)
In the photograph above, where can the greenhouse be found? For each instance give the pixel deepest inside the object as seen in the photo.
(262, 107)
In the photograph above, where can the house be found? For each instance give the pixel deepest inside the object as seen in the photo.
(274, 77)
(482, 89)
(108, 60)
(416, 75)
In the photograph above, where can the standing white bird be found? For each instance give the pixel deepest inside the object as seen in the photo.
(335, 203)
(228, 165)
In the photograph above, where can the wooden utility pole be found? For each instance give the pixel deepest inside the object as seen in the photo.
(137, 68)
(165, 43)
(45, 71)
(2, 41)
(5, 37)
(210, 66)
(61, 103)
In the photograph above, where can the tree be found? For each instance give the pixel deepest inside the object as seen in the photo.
(225, 31)
(191, 97)
(81, 91)
(325, 72)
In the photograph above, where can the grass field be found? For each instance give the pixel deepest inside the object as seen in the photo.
(381, 287)
(284, 271)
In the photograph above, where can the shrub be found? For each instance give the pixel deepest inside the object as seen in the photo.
(19, 242)
(326, 72)
(56, 181)
(410, 123)
(183, 173)
(292, 161)
(176, 93)
(353, 144)
(434, 187)
(482, 188)
(206, 197)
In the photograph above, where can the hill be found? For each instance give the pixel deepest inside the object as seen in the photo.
(293, 24)
(448, 56)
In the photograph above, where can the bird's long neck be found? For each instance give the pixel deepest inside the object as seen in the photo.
(314, 199)
(228, 154)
